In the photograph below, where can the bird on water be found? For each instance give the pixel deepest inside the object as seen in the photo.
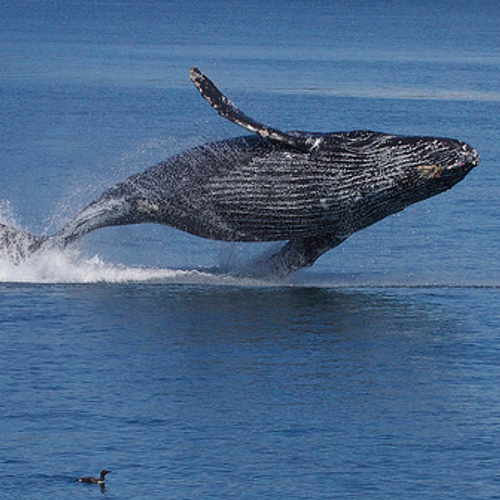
(95, 480)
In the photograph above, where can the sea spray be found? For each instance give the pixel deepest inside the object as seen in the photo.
(70, 266)
(54, 265)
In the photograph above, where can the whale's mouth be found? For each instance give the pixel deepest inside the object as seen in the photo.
(469, 158)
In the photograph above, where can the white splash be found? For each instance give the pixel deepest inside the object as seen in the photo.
(6, 213)
(69, 266)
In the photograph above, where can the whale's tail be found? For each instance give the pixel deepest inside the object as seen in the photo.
(17, 245)
(115, 207)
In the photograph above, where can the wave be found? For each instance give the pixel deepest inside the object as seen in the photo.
(426, 94)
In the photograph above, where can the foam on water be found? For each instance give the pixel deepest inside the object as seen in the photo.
(70, 266)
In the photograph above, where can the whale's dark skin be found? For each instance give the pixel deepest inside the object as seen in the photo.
(312, 190)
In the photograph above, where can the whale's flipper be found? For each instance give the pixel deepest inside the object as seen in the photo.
(17, 245)
(225, 108)
(296, 254)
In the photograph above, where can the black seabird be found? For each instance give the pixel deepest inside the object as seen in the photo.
(95, 480)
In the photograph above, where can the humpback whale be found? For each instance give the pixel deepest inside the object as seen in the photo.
(309, 190)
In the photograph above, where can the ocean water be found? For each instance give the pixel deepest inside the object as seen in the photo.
(374, 374)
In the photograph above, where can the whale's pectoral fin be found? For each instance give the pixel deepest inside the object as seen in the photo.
(296, 254)
(227, 109)
(17, 245)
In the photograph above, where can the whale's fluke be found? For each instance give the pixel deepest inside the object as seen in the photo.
(17, 245)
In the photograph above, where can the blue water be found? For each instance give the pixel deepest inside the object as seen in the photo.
(374, 374)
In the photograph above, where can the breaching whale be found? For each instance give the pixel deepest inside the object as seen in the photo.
(310, 190)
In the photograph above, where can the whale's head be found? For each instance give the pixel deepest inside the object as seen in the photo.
(386, 173)
(437, 164)
(415, 168)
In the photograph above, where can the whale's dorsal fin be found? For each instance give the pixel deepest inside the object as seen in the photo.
(228, 110)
